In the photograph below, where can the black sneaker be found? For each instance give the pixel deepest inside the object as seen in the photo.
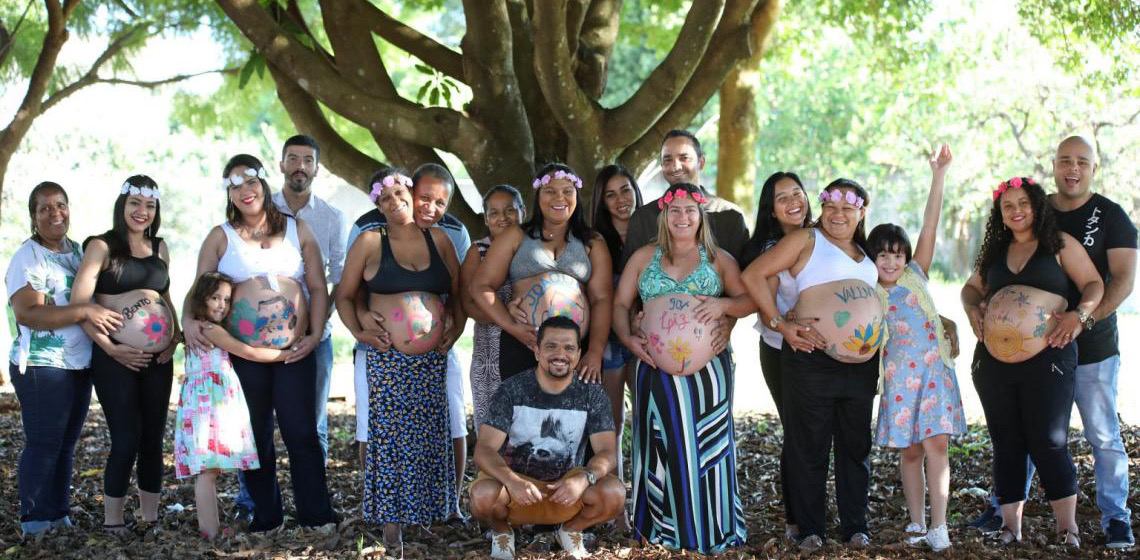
(1118, 536)
(989, 521)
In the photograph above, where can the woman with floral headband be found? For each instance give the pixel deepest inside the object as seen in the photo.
(684, 444)
(408, 272)
(1023, 309)
(126, 270)
(556, 266)
(279, 301)
(830, 374)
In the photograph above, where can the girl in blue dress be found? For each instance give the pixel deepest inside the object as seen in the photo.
(920, 405)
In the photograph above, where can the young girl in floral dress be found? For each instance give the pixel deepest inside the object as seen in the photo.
(212, 431)
(921, 406)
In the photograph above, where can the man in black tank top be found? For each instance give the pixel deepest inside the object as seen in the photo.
(1109, 236)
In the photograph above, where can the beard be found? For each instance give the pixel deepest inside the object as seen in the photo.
(558, 371)
(298, 182)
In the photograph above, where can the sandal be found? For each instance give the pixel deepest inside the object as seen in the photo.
(1069, 539)
(1006, 536)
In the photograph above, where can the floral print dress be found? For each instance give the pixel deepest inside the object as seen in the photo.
(920, 396)
(212, 429)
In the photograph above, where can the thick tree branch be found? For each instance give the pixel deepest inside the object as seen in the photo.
(596, 43)
(404, 37)
(442, 128)
(631, 119)
(575, 18)
(574, 110)
(549, 138)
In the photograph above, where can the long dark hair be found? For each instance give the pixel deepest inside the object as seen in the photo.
(768, 229)
(45, 188)
(998, 237)
(118, 248)
(860, 237)
(578, 227)
(273, 217)
(204, 287)
(603, 222)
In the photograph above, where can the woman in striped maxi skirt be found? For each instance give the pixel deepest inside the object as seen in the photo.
(684, 445)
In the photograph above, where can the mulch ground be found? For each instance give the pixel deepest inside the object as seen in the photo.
(759, 440)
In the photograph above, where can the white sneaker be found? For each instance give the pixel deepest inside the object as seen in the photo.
(503, 546)
(571, 542)
(938, 538)
(915, 535)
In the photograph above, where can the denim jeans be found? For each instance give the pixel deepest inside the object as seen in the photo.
(1096, 402)
(53, 406)
(324, 352)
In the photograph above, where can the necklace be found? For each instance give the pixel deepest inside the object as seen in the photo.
(255, 234)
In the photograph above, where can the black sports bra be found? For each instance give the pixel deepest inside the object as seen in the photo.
(391, 278)
(146, 273)
(1042, 271)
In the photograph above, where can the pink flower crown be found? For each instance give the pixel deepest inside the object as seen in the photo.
(1013, 183)
(546, 179)
(674, 194)
(834, 195)
(388, 182)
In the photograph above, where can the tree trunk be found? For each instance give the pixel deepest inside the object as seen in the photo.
(738, 130)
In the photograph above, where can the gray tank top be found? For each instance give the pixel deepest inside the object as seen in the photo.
(532, 259)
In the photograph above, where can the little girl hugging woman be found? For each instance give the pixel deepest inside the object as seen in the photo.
(212, 432)
(921, 406)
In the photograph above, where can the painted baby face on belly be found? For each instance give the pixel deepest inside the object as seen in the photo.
(147, 321)
(679, 343)
(414, 320)
(1016, 320)
(552, 294)
(849, 315)
(265, 318)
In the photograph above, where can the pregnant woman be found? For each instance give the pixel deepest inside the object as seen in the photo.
(556, 266)
(684, 444)
(829, 377)
(408, 271)
(126, 271)
(1021, 308)
(279, 301)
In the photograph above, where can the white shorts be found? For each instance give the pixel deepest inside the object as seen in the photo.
(457, 409)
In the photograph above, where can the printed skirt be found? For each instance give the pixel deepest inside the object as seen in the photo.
(212, 428)
(409, 470)
(684, 459)
(485, 378)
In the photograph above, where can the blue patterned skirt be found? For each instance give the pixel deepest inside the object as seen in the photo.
(684, 459)
(409, 469)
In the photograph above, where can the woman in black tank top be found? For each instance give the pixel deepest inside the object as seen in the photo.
(127, 267)
(407, 274)
(1023, 367)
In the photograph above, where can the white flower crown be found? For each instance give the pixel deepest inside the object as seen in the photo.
(149, 192)
(236, 179)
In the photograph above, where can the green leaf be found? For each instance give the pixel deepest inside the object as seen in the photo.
(425, 69)
(423, 91)
(433, 98)
(248, 68)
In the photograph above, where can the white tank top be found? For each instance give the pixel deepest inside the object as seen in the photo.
(829, 263)
(243, 261)
(786, 297)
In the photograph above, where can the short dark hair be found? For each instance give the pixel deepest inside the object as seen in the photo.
(43, 189)
(204, 287)
(439, 172)
(681, 133)
(560, 322)
(888, 238)
(302, 140)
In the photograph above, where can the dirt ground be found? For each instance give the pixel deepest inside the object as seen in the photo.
(758, 438)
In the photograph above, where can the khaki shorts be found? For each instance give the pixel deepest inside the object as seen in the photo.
(544, 512)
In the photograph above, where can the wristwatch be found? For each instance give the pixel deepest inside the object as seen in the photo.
(591, 479)
(1087, 320)
(774, 323)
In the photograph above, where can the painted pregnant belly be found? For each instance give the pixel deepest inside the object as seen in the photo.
(678, 342)
(849, 315)
(414, 320)
(267, 318)
(1016, 321)
(147, 321)
(553, 294)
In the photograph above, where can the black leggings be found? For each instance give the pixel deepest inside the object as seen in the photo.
(1027, 407)
(290, 391)
(135, 405)
(770, 366)
(826, 402)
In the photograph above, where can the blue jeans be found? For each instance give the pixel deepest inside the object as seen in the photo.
(1096, 401)
(53, 406)
(324, 352)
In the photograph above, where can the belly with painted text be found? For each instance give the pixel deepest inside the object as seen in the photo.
(848, 314)
(679, 343)
(148, 323)
(414, 320)
(553, 293)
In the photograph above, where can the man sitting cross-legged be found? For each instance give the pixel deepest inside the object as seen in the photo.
(531, 448)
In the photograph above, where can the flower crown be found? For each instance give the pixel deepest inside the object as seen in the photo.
(237, 179)
(834, 195)
(129, 189)
(559, 174)
(388, 182)
(678, 193)
(1013, 183)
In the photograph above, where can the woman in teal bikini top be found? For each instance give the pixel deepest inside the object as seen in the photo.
(702, 281)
